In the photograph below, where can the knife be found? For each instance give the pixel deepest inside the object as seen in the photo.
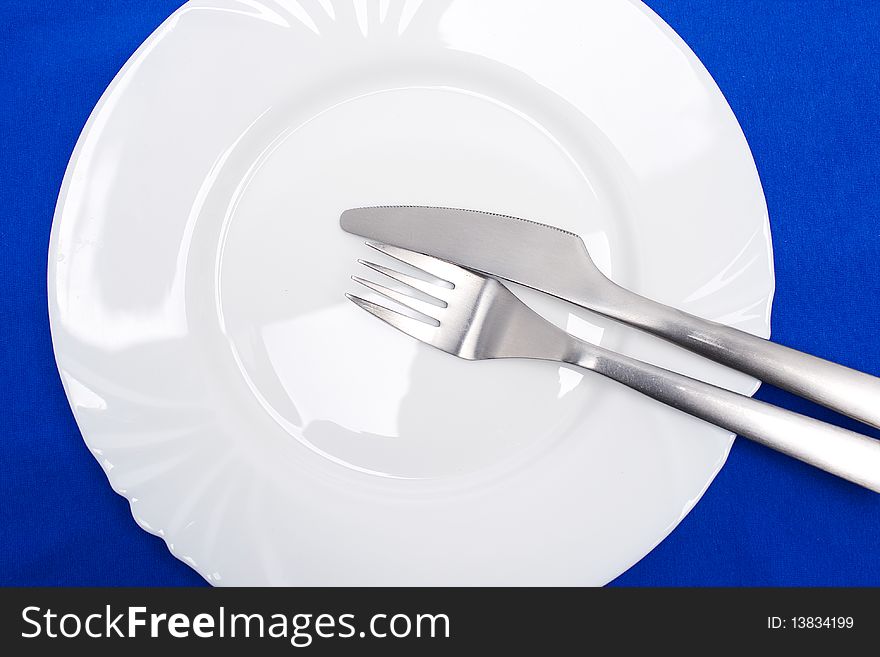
(557, 262)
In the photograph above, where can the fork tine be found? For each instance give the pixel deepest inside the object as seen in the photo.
(443, 270)
(424, 307)
(414, 327)
(432, 290)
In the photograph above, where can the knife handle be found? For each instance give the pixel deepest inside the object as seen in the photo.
(834, 386)
(845, 453)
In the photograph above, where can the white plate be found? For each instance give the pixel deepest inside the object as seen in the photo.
(270, 431)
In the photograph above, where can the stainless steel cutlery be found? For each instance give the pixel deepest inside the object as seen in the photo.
(479, 318)
(476, 317)
(557, 262)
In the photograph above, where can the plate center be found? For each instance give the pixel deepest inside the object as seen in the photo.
(341, 382)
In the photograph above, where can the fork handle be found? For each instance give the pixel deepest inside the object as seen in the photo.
(845, 453)
(834, 386)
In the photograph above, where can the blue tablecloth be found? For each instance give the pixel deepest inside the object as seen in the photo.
(803, 77)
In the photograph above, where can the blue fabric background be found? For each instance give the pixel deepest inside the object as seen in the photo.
(802, 76)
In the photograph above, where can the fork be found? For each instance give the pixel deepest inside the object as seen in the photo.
(475, 317)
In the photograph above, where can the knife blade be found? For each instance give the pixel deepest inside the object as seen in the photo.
(556, 262)
(543, 257)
